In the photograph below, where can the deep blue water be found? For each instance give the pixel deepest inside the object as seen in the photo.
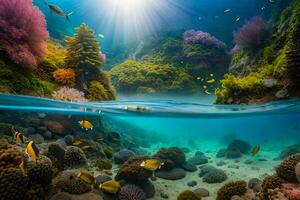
(274, 125)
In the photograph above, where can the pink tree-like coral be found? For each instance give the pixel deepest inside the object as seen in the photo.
(251, 35)
(23, 33)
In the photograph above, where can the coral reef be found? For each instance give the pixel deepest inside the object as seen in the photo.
(172, 157)
(132, 172)
(57, 151)
(64, 76)
(198, 159)
(23, 32)
(227, 191)
(13, 183)
(74, 157)
(286, 169)
(69, 94)
(40, 171)
(192, 36)
(173, 174)
(131, 192)
(97, 92)
(188, 195)
(103, 164)
(215, 176)
(10, 156)
(122, 156)
(35, 192)
(270, 183)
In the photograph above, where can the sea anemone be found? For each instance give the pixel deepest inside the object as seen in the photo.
(131, 192)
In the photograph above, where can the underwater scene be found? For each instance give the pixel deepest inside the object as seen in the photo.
(149, 99)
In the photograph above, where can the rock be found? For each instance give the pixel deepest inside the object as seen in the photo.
(221, 163)
(236, 197)
(62, 196)
(192, 183)
(189, 167)
(172, 157)
(62, 142)
(248, 162)
(30, 130)
(202, 192)
(47, 134)
(34, 122)
(239, 145)
(243, 66)
(148, 188)
(215, 176)
(123, 155)
(69, 139)
(288, 151)
(198, 159)
(282, 94)
(164, 195)
(173, 174)
(255, 184)
(102, 178)
(297, 171)
(87, 196)
(41, 129)
(269, 83)
(221, 153)
(233, 166)
(36, 138)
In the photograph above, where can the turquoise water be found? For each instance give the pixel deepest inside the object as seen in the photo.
(274, 125)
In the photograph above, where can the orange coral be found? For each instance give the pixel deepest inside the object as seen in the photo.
(64, 76)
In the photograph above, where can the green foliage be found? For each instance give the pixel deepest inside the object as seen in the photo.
(131, 75)
(97, 92)
(238, 56)
(20, 81)
(83, 48)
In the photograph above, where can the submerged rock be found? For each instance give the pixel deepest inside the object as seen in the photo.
(202, 192)
(122, 156)
(189, 167)
(198, 159)
(173, 174)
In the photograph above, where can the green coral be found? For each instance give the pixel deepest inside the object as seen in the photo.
(131, 75)
(188, 195)
(97, 92)
(227, 191)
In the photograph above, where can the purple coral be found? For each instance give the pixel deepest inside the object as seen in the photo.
(194, 37)
(131, 192)
(23, 33)
(252, 33)
(69, 94)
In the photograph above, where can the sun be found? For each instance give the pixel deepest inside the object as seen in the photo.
(129, 3)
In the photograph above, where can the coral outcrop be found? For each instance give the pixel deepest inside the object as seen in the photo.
(188, 195)
(227, 191)
(10, 155)
(64, 76)
(270, 183)
(40, 171)
(172, 157)
(286, 169)
(74, 157)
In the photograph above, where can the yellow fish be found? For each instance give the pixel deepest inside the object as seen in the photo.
(237, 18)
(151, 164)
(22, 166)
(227, 10)
(19, 137)
(87, 177)
(32, 151)
(255, 150)
(86, 147)
(111, 186)
(211, 81)
(77, 142)
(86, 124)
(101, 36)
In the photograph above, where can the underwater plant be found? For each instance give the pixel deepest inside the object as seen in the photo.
(23, 33)
(251, 35)
(69, 94)
(97, 92)
(194, 37)
(64, 76)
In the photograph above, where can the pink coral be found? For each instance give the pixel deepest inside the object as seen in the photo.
(23, 32)
(69, 94)
(251, 35)
(192, 36)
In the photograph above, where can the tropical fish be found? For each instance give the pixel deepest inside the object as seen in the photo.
(57, 10)
(101, 35)
(237, 18)
(19, 137)
(211, 81)
(86, 124)
(151, 164)
(87, 177)
(77, 142)
(111, 186)
(22, 166)
(227, 10)
(255, 150)
(32, 151)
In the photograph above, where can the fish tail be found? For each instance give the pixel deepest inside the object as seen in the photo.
(68, 15)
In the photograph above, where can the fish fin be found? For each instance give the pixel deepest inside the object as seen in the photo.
(68, 16)
(143, 164)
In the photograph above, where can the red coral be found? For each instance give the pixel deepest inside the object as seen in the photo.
(23, 32)
(251, 35)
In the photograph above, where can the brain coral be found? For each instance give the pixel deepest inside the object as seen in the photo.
(286, 169)
(215, 176)
(10, 155)
(174, 155)
(69, 182)
(40, 171)
(131, 171)
(13, 184)
(188, 195)
(131, 192)
(270, 183)
(74, 157)
(36, 192)
(231, 189)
